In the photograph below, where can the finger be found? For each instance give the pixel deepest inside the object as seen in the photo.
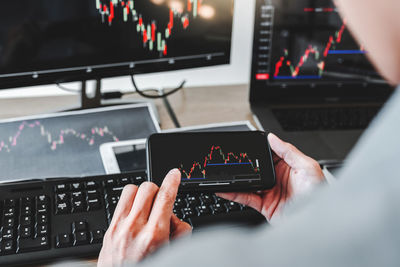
(164, 202)
(179, 228)
(248, 199)
(125, 203)
(141, 207)
(289, 153)
(275, 158)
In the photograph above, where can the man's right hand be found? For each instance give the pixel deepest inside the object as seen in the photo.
(295, 172)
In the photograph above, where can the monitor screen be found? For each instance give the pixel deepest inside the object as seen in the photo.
(306, 44)
(47, 41)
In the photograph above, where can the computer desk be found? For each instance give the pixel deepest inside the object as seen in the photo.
(193, 106)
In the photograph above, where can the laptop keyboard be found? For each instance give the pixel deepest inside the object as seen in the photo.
(312, 119)
(58, 218)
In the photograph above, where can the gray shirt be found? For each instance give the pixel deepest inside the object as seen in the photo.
(354, 222)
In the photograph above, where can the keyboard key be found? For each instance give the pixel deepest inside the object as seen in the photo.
(7, 247)
(91, 185)
(220, 200)
(80, 238)
(7, 233)
(114, 191)
(27, 200)
(207, 199)
(42, 199)
(218, 208)
(41, 230)
(63, 240)
(26, 210)
(232, 206)
(96, 236)
(93, 204)
(187, 213)
(79, 226)
(112, 202)
(63, 197)
(192, 201)
(9, 212)
(110, 182)
(78, 206)
(26, 220)
(124, 181)
(63, 208)
(76, 186)
(92, 194)
(25, 231)
(42, 208)
(77, 196)
(180, 203)
(62, 188)
(203, 210)
(10, 203)
(42, 219)
(40, 243)
(137, 180)
(178, 213)
(9, 222)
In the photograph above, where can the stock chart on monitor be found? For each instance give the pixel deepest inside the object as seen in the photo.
(306, 42)
(42, 36)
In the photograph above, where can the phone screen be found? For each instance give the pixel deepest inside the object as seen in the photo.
(131, 157)
(216, 161)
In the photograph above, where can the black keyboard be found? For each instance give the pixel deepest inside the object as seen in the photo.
(50, 219)
(332, 118)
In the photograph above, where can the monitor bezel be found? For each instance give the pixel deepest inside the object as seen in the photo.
(117, 69)
(84, 73)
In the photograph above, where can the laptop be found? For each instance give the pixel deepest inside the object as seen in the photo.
(311, 83)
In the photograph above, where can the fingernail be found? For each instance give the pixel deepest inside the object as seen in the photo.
(174, 171)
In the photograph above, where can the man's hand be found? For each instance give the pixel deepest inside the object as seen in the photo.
(143, 221)
(296, 174)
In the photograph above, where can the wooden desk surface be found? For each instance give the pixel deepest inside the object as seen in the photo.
(192, 106)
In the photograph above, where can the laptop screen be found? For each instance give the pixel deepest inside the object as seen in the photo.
(306, 44)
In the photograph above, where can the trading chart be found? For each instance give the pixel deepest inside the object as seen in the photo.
(218, 164)
(153, 37)
(306, 41)
(67, 144)
(144, 35)
(211, 158)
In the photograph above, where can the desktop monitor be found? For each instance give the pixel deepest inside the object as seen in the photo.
(54, 41)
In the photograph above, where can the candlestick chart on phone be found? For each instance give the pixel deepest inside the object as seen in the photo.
(219, 164)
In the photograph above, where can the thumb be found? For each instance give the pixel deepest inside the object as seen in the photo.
(289, 153)
(179, 228)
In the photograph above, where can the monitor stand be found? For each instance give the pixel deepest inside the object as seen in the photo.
(90, 101)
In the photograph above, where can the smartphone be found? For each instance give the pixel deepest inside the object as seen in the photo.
(124, 156)
(212, 161)
(130, 155)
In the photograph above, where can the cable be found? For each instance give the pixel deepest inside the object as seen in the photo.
(162, 95)
(75, 91)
